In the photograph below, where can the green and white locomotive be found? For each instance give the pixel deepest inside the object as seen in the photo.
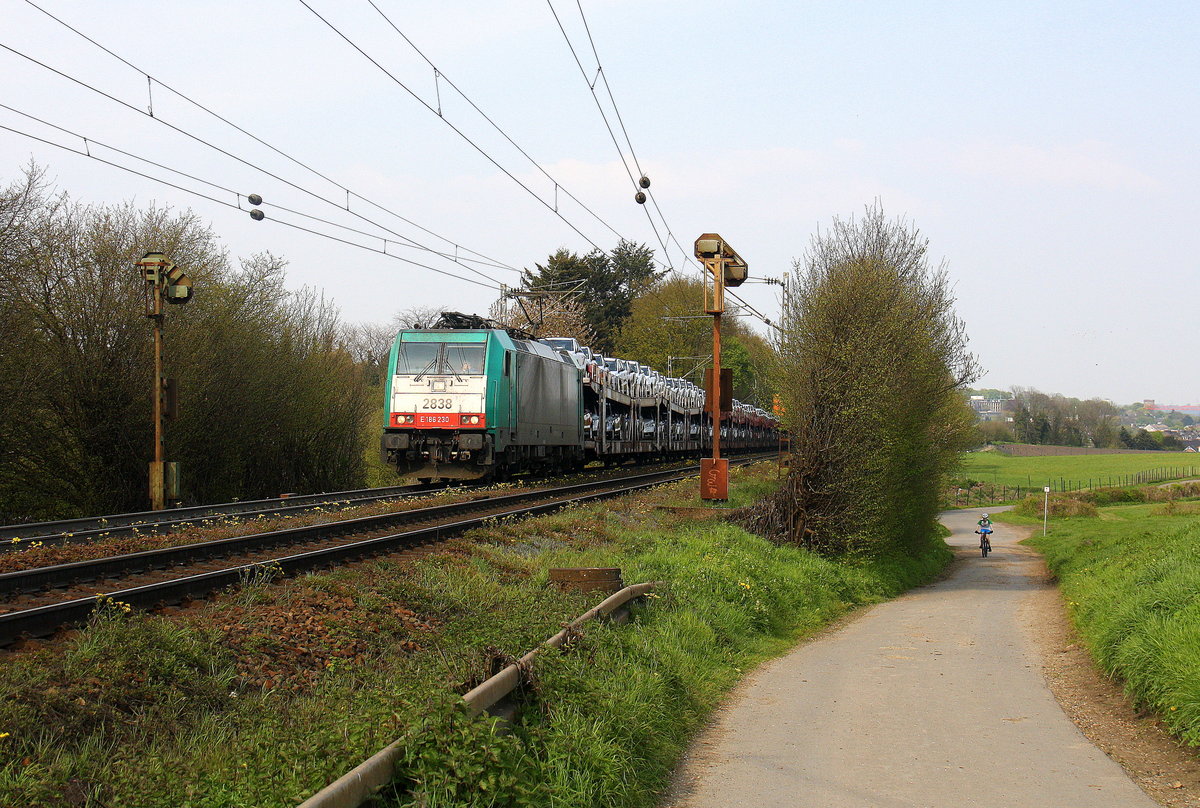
(469, 403)
(469, 400)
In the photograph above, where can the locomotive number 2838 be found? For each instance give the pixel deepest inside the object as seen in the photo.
(437, 403)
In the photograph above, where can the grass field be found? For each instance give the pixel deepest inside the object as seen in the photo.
(262, 696)
(1075, 471)
(1131, 580)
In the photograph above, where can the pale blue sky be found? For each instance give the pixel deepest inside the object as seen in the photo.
(1049, 151)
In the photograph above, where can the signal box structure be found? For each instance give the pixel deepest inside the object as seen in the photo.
(164, 281)
(723, 267)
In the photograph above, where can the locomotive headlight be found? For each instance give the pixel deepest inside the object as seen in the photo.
(474, 419)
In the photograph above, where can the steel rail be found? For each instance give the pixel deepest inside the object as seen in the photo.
(59, 575)
(360, 783)
(91, 527)
(69, 531)
(42, 621)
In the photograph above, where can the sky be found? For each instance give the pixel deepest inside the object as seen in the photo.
(1048, 151)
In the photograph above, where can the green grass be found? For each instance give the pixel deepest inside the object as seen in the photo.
(1131, 580)
(139, 710)
(1078, 470)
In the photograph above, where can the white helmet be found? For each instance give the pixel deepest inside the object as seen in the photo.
(985, 516)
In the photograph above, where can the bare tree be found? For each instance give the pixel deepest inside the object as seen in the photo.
(417, 317)
(557, 313)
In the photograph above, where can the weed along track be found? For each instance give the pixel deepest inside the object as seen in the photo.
(21, 537)
(39, 601)
(70, 531)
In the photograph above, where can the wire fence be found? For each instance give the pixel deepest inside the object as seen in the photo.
(995, 493)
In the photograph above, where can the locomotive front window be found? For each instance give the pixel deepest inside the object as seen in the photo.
(440, 359)
(463, 359)
(417, 357)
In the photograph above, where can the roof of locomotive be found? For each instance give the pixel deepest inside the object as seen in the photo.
(499, 335)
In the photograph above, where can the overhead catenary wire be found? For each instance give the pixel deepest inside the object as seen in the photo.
(227, 153)
(456, 130)
(236, 206)
(91, 141)
(440, 74)
(592, 88)
(601, 76)
(402, 240)
(151, 80)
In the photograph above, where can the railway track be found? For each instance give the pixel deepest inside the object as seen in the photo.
(39, 601)
(18, 537)
(22, 536)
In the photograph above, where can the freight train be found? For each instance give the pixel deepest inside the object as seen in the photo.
(471, 400)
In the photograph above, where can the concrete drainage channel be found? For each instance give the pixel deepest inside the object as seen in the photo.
(360, 783)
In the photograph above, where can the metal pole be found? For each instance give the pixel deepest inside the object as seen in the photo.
(716, 383)
(158, 498)
(1045, 510)
(714, 482)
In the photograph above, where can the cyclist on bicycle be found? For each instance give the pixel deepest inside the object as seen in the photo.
(984, 530)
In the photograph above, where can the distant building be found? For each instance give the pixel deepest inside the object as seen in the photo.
(1183, 409)
(991, 409)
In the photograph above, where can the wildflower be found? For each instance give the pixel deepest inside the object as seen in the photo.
(6, 734)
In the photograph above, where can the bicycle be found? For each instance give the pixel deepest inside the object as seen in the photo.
(985, 544)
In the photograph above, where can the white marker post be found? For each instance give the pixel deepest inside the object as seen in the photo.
(1045, 509)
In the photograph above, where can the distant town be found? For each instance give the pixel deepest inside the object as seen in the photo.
(1023, 415)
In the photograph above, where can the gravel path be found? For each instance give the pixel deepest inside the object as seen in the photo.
(934, 699)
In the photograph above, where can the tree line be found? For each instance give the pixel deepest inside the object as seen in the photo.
(271, 397)
(1059, 420)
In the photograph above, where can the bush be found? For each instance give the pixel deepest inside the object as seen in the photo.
(870, 366)
(1059, 506)
(1112, 496)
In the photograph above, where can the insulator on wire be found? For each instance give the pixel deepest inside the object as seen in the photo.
(257, 215)
(254, 199)
(644, 181)
(640, 198)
